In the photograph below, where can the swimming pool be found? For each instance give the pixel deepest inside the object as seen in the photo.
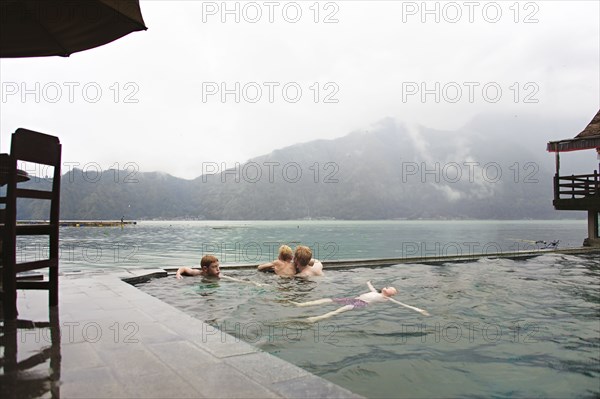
(498, 327)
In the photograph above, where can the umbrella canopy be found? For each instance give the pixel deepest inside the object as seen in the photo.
(38, 28)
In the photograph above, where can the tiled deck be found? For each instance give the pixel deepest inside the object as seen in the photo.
(118, 342)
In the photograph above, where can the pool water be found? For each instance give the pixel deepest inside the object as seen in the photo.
(498, 327)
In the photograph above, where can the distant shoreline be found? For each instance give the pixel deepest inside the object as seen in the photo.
(583, 218)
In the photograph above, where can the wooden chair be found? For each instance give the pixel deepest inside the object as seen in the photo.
(40, 149)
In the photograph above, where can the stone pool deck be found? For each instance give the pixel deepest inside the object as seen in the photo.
(118, 342)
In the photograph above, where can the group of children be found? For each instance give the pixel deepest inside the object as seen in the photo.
(288, 264)
(300, 263)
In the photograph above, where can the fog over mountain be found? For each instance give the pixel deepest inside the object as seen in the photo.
(495, 167)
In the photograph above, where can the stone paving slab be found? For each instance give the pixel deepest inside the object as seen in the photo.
(119, 342)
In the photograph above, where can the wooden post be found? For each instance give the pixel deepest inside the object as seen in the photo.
(593, 226)
(557, 176)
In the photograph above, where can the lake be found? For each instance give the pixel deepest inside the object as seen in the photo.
(151, 244)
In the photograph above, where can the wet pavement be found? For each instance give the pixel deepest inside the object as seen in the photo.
(107, 339)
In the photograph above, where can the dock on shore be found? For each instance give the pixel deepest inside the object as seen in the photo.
(83, 223)
(96, 223)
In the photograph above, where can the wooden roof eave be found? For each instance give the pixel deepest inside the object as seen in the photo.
(575, 144)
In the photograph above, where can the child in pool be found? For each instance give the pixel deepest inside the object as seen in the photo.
(305, 265)
(282, 266)
(361, 301)
(209, 267)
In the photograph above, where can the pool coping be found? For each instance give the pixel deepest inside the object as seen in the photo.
(117, 341)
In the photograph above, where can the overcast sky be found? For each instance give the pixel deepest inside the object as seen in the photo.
(302, 71)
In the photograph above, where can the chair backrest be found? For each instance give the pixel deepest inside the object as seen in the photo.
(41, 149)
(30, 146)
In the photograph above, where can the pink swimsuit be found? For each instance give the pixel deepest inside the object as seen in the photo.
(362, 300)
(357, 303)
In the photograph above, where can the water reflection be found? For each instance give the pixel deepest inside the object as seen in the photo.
(532, 321)
(28, 348)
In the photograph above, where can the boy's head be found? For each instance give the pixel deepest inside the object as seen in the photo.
(302, 256)
(389, 291)
(285, 253)
(210, 265)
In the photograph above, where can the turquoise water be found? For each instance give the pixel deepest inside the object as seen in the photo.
(498, 327)
(173, 244)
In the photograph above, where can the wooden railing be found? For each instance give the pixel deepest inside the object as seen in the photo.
(576, 186)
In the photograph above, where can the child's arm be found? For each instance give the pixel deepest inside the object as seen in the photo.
(371, 286)
(187, 271)
(266, 266)
(422, 311)
(242, 281)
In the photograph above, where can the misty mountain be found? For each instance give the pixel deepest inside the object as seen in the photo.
(390, 171)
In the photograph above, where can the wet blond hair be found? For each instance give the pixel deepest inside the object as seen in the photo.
(285, 253)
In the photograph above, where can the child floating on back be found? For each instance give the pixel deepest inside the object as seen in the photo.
(361, 301)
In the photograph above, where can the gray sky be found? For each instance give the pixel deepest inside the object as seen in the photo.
(154, 100)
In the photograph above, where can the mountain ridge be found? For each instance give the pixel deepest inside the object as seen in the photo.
(388, 171)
